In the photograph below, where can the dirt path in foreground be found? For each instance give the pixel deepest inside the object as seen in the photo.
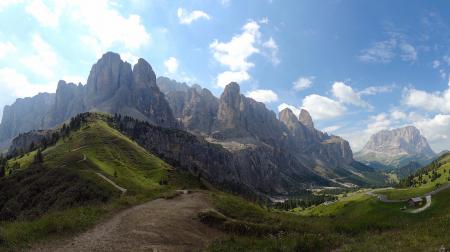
(159, 225)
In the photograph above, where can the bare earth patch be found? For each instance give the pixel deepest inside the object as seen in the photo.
(159, 225)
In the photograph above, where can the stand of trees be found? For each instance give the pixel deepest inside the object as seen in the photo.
(424, 174)
(306, 200)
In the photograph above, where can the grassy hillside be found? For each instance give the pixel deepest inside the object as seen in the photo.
(358, 222)
(66, 193)
(424, 180)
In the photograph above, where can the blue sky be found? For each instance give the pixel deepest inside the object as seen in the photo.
(357, 66)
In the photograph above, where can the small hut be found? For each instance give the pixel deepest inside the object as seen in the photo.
(415, 202)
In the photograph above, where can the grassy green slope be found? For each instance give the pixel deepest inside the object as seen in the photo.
(424, 180)
(358, 222)
(95, 148)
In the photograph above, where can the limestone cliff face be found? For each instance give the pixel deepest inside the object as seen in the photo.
(396, 147)
(308, 140)
(25, 115)
(257, 170)
(195, 107)
(239, 117)
(237, 122)
(305, 119)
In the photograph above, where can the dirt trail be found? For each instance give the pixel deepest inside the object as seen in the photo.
(159, 225)
(123, 190)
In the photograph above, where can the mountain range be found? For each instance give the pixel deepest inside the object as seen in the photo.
(247, 142)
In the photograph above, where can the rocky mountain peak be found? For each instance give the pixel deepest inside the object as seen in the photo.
(232, 90)
(305, 119)
(289, 119)
(143, 75)
(229, 106)
(106, 76)
(389, 146)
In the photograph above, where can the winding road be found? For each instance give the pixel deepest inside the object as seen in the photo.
(427, 196)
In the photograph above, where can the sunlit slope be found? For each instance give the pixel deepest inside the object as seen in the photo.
(424, 180)
(98, 148)
(89, 172)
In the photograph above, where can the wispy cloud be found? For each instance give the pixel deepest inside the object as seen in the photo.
(186, 17)
(384, 51)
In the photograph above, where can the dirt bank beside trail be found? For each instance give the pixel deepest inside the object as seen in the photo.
(159, 225)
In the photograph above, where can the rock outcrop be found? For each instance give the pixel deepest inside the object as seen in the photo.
(396, 147)
(305, 119)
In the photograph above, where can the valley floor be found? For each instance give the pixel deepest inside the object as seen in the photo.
(158, 225)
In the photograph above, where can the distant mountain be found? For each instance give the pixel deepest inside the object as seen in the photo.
(396, 148)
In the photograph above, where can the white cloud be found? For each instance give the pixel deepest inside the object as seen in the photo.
(185, 17)
(438, 101)
(263, 95)
(129, 57)
(104, 26)
(46, 16)
(107, 26)
(294, 109)
(303, 83)
(18, 85)
(321, 107)
(224, 78)
(272, 46)
(44, 60)
(436, 128)
(235, 54)
(6, 48)
(6, 3)
(346, 95)
(398, 115)
(171, 65)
